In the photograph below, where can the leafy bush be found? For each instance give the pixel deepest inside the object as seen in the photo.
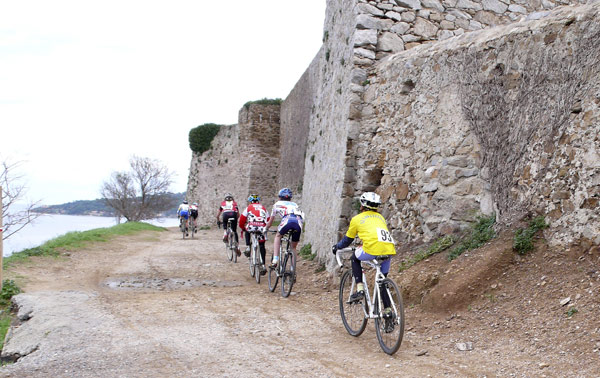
(437, 247)
(264, 101)
(523, 239)
(306, 252)
(481, 233)
(9, 288)
(201, 137)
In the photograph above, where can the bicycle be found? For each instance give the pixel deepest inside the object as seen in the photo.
(231, 245)
(389, 324)
(255, 259)
(283, 271)
(182, 228)
(194, 227)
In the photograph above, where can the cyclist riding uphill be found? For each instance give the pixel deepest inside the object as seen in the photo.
(254, 218)
(183, 212)
(194, 212)
(291, 219)
(371, 228)
(230, 210)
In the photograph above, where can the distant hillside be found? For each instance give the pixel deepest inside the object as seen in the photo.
(97, 207)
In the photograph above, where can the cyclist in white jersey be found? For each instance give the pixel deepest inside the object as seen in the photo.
(291, 219)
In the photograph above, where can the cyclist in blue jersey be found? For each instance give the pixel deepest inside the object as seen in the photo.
(183, 212)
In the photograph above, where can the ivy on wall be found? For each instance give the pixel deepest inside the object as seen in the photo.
(200, 137)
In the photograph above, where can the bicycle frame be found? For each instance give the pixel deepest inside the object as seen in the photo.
(379, 277)
(255, 242)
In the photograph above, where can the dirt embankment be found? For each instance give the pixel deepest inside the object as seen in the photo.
(153, 305)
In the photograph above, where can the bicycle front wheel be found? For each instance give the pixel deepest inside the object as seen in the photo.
(352, 313)
(390, 326)
(288, 274)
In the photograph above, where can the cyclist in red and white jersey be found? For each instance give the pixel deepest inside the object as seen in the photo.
(254, 217)
(229, 208)
(291, 219)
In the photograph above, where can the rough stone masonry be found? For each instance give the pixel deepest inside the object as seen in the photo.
(449, 110)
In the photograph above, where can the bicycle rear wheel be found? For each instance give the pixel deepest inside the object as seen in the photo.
(273, 278)
(229, 246)
(390, 327)
(257, 266)
(353, 315)
(288, 271)
(252, 259)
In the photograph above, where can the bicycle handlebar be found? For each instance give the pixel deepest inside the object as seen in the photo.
(342, 251)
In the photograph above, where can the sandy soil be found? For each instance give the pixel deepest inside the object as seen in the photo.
(154, 305)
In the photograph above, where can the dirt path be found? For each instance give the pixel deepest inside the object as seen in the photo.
(153, 305)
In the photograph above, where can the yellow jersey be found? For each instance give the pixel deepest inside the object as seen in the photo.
(372, 230)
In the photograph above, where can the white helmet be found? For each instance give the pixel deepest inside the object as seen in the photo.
(370, 200)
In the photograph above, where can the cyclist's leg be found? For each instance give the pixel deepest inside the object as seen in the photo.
(234, 227)
(226, 217)
(385, 268)
(263, 250)
(276, 245)
(294, 225)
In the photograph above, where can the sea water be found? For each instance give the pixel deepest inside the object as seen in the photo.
(49, 226)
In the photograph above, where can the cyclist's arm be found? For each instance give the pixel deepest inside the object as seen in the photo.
(242, 221)
(346, 241)
(219, 213)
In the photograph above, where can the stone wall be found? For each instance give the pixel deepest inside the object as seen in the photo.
(354, 145)
(325, 173)
(449, 109)
(296, 112)
(390, 26)
(506, 120)
(243, 159)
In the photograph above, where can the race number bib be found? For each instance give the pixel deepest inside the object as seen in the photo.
(384, 236)
(228, 205)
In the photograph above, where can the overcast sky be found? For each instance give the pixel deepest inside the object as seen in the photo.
(84, 85)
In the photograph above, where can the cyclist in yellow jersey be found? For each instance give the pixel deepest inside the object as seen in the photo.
(371, 228)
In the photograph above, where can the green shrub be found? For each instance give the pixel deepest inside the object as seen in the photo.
(264, 101)
(523, 239)
(481, 233)
(306, 252)
(9, 288)
(437, 247)
(202, 136)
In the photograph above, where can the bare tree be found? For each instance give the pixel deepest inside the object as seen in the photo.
(12, 192)
(142, 192)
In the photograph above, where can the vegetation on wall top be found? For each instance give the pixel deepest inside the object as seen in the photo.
(264, 101)
(201, 136)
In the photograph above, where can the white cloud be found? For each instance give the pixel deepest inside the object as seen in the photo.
(84, 85)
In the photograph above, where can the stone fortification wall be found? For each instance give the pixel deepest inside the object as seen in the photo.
(390, 26)
(506, 119)
(243, 159)
(346, 131)
(211, 176)
(259, 136)
(324, 171)
(296, 112)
